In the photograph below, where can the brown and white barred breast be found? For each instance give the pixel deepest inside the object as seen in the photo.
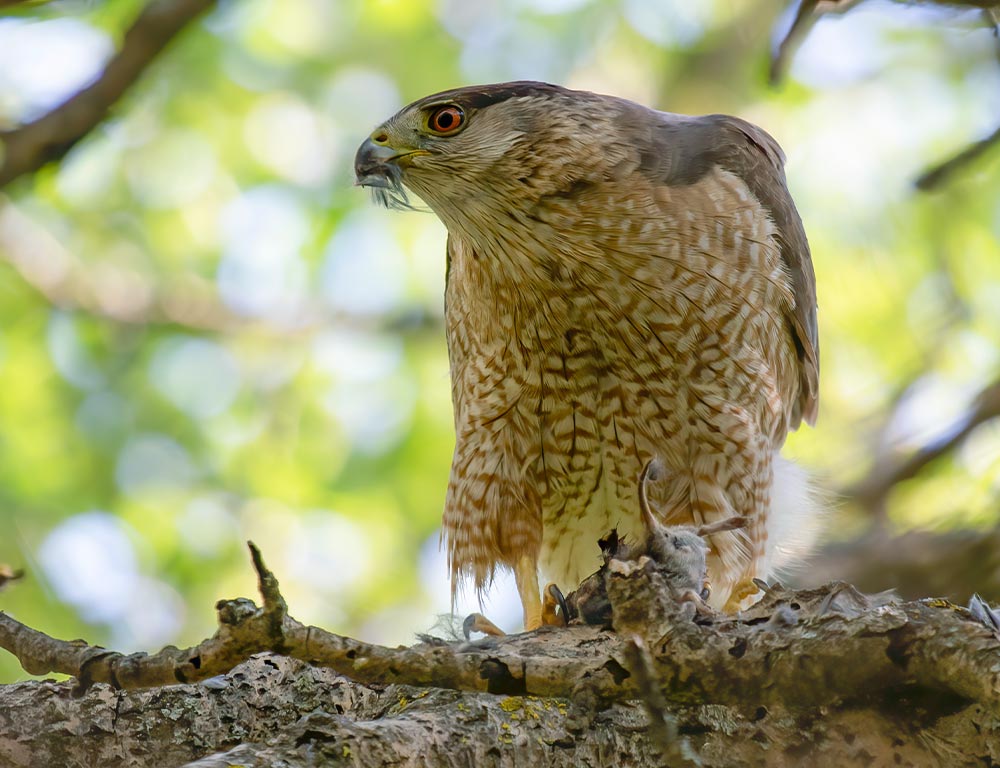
(647, 321)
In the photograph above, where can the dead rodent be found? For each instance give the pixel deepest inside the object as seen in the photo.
(679, 553)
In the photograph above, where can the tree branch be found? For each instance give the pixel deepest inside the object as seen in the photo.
(785, 45)
(50, 137)
(798, 671)
(951, 564)
(663, 730)
(872, 490)
(794, 648)
(936, 175)
(808, 12)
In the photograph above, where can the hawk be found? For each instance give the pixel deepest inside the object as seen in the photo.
(623, 285)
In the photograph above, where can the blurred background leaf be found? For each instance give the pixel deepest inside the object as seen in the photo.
(207, 334)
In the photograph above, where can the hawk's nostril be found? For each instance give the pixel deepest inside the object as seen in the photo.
(380, 139)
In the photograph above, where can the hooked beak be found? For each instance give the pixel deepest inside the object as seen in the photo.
(370, 165)
(379, 167)
(378, 164)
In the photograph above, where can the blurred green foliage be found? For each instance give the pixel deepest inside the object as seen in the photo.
(208, 335)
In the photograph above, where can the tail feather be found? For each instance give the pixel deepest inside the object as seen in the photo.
(797, 517)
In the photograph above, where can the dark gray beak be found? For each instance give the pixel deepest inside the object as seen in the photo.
(370, 165)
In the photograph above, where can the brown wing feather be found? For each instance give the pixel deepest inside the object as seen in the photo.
(683, 149)
(760, 163)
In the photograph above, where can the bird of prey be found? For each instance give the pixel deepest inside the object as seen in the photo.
(623, 285)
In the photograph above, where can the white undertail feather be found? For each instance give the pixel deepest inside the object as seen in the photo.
(796, 520)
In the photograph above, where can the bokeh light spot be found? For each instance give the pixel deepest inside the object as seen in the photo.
(153, 463)
(90, 562)
(199, 376)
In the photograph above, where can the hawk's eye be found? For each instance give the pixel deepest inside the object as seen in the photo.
(446, 120)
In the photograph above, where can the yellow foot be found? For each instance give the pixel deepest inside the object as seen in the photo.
(538, 613)
(476, 622)
(740, 593)
(532, 615)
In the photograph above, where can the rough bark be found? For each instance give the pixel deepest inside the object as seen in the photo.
(828, 676)
(273, 711)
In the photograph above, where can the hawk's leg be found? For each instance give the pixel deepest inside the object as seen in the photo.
(526, 576)
(538, 610)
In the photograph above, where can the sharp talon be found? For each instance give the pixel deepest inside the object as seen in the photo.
(556, 594)
(552, 599)
(476, 622)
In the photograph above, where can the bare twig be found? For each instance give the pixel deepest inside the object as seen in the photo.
(50, 137)
(936, 175)
(806, 15)
(808, 12)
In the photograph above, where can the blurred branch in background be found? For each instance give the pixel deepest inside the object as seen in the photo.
(937, 174)
(805, 15)
(916, 564)
(808, 12)
(123, 294)
(110, 291)
(890, 470)
(31, 146)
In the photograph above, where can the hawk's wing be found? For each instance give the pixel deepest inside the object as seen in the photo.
(683, 149)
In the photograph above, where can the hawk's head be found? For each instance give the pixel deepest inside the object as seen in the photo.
(490, 147)
(529, 168)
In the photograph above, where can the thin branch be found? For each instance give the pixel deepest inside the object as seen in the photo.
(808, 12)
(50, 137)
(806, 15)
(782, 50)
(884, 476)
(936, 175)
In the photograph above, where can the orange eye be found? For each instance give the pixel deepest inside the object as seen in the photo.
(446, 120)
